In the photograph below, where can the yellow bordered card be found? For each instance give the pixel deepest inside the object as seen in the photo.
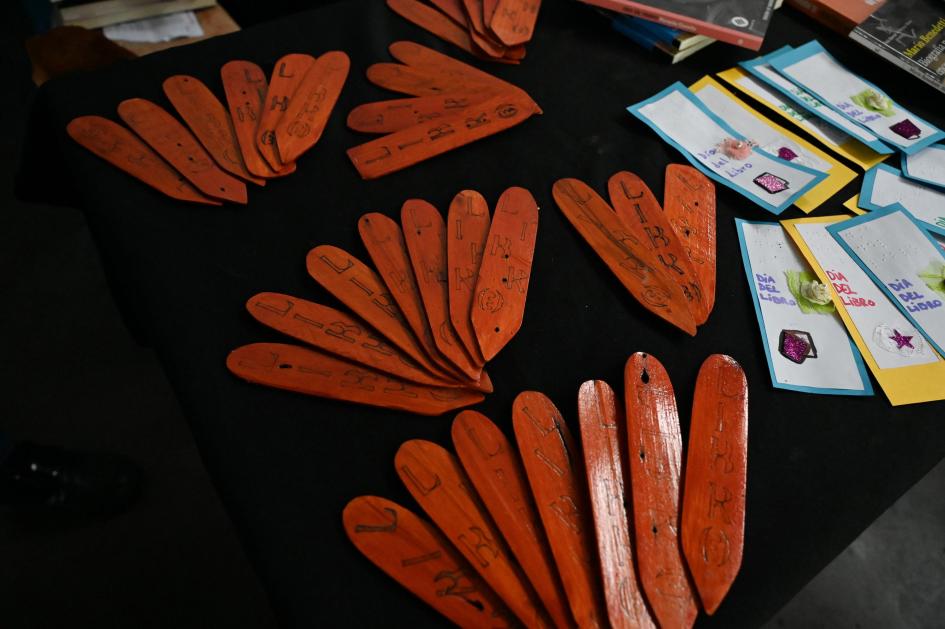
(853, 204)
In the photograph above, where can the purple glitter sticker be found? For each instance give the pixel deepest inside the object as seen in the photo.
(772, 184)
(796, 345)
(786, 154)
(907, 129)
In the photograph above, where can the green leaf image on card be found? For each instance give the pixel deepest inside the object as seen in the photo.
(874, 101)
(934, 277)
(812, 296)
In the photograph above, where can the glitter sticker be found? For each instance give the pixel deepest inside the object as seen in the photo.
(796, 345)
(907, 129)
(772, 184)
(786, 153)
(903, 341)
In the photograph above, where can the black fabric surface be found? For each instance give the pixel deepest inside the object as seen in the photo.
(821, 468)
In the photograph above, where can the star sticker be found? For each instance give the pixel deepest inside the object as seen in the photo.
(901, 340)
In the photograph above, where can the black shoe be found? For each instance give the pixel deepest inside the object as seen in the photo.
(43, 478)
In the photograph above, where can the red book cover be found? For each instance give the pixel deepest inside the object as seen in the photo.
(739, 22)
(839, 15)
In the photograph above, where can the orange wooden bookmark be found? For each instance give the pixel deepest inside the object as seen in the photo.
(436, 63)
(642, 215)
(431, 20)
(124, 150)
(337, 333)
(210, 123)
(713, 515)
(412, 552)
(689, 204)
(305, 118)
(285, 80)
(384, 241)
(311, 372)
(393, 115)
(407, 147)
(496, 473)
(553, 465)
(425, 236)
(453, 9)
(406, 79)
(513, 21)
(467, 230)
(628, 259)
(485, 40)
(601, 435)
(499, 306)
(180, 148)
(437, 482)
(655, 453)
(245, 87)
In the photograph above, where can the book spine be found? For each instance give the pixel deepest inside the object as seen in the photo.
(818, 12)
(673, 20)
(917, 70)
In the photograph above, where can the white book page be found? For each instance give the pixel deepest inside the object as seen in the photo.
(927, 165)
(926, 204)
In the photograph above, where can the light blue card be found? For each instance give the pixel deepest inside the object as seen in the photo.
(806, 344)
(901, 258)
(927, 166)
(761, 69)
(884, 186)
(815, 70)
(688, 125)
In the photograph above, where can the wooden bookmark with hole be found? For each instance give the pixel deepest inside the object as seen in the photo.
(601, 435)
(180, 149)
(654, 446)
(502, 287)
(467, 227)
(513, 21)
(689, 204)
(335, 332)
(394, 115)
(308, 371)
(437, 482)
(493, 466)
(124, 150)
(554, 469)
(245, 86)
(641, 213)
(210, 123)
(407, 147)
(628, 259)
(412, 552)
(384, 241)
(285, 80)
(425, 236)
(713, 514)
(304, 120)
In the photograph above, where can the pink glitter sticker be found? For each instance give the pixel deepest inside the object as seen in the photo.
(796, 345)
(907, 129)
(772, 184)
(786, 154)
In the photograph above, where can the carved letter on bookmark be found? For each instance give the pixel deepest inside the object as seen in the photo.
(689, 204)
(713, 515)
(601, 434)
(496, 473)
(412, 552)
(390, 116)
(336, 332)
(180, 148)
(437, 482)
(499, 301)
(642, 215)
(286, 78)
(404, 148)
(553, 466)
(245, 87)
(307, 114)
(210, 123)
(630, 261)
(655, 454)
(311, 372)
(121, 148)
(425, 236)
(514, 20)
(467, 227)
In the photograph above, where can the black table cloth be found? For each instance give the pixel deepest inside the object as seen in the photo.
(821, 468)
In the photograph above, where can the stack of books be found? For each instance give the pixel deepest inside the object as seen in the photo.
(99, 13)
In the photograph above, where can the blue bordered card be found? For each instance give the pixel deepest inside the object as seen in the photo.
(884, 186)
(926, 166)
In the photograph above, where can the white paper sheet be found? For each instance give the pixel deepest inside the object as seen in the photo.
(156, 29)
(928, 165)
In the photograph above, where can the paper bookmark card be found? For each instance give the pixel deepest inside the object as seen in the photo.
(761, 69)
(775, 140)
(715, 148)
(835, 139)
(927, 166)
(884, 186)
(903, 363)
(903, 260)
(814, 69)
(805, 343)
